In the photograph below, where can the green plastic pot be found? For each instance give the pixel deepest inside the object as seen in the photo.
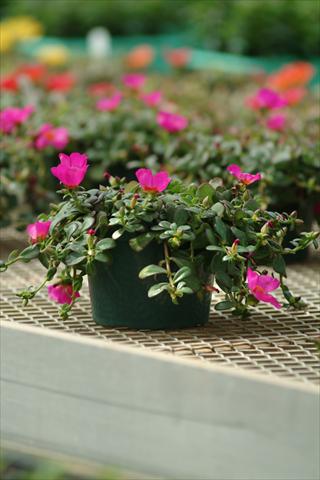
(119, 298)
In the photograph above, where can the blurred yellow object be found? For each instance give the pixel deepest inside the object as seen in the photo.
(53, 55)
(16, 29)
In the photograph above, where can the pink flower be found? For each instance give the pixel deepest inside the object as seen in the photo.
(276, 122)
(51, 136)
(294, 95)
(261, 285)
(266, 99)
(152, 183)
(109, 104)
(38, 231)
(152, 99)
(135, 81)
(72, 169)
(171, 121)
(246, 178)
(62, 293)
(12, 116)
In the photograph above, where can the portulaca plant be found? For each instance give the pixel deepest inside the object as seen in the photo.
(204, 232)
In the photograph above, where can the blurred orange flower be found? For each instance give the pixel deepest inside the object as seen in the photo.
(292, 75)
(140, 57)
(178, 57)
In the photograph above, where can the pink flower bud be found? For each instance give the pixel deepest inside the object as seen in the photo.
(38, 231)
(62, 293)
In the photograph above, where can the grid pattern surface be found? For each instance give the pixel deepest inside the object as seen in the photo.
(280, 343)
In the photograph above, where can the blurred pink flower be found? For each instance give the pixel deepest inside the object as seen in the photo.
(135, 81)
(152, 183)
(62, 293)
(266, 99)
(171, 121)
(72, 169)
(294, 95)
(246, 178)
(152, 99)
(10, 117)
(276, 122)
(50, 136)
(109, 104)
(38, 231)
(261, 285)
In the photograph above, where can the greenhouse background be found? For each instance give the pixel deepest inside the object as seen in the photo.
(159, 234)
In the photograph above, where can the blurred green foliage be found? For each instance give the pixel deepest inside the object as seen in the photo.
(15, 466)
(252, 27)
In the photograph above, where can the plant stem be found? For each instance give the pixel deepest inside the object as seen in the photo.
(167, 259)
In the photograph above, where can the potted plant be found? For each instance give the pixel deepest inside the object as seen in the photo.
(153, 247)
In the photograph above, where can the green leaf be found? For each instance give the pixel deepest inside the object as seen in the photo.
(252, 205)
(184, 272)
(187, 290)
(74, 258)
(102, 257)
(221, 228)
(151, 270)
(29, 253)
(130, 186)
(218, 208)
(87, 223)
(214, 248)
(279, 265)
(223, 280)
(117, 234)
(217, 264)
(205, 190)
(225, 305)
(180, 216)
(157, 289)
(70, 229)
(106, 244)
(240, 235)
(211, 236)
(248, 249)
(139, 243)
